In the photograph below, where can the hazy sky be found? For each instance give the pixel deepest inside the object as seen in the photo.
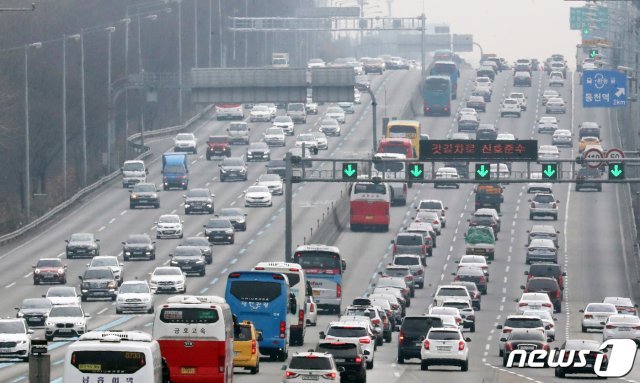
(510, 28)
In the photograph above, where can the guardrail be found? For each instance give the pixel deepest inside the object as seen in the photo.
(109, 177)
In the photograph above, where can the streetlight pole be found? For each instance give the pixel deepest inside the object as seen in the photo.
(127, 22)
(210, 32)
(111, 134)
(64, 110)
(195, 33)
(83, 109)
(220, 39)
(26, 127)
(180, 60)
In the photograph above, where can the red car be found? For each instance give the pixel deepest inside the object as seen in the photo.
(49, 270)
(218, 146)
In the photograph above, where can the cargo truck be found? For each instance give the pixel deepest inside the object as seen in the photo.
(175, 171)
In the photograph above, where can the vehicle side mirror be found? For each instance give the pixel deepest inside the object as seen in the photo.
(146, 171)
(33, 267)
(581, 310)
(446, 208)
(283, 367)
(322, 335)
(66, 240)
(259, 336)
(366, 352)
(453, 274)
(457, 261)
(344, 265)
(557, 201)
(30, 331)
(467, 339)
(97, 240)
(564, 274)
(529, 200)
(44, 296)
(547, 327)
(153, 242)
(503, 339)
(80, 277)
(603, 323)
(123, 243)
(522, 287)
(526, 273)
(88, 264)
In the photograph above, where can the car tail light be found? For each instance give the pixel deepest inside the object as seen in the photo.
(253, 347)
(610, 326)
(435, 222)
(553, 206)
(375, 321)
(506, 330)
(424, 249)
(445, 108)
(558, 294)
(533, 205)
(289, 375)
(522, 304)
(395, 248)
(358, 360)
(458, 320)
(545, 347)
(405, 291)
(330, 375)
(401, 337)
(283, 329)
(426, 344)
(442, 211)
(508, 346)
(461, 345)
(588, 316)
(300, 316)
(395, 306)
(408, 278)
(636, 328)
(221, 363)
(365, 340)
(338, 291)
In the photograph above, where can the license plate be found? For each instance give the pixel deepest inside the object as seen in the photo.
(368, 217)
(310, 377)
(624, 329)
(338, 360)
(534, 307)
(442, 348)
(64, 330)
(528, 348)
(188, 370)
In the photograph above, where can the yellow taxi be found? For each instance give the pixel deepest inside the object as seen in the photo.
(587, 141)
(246, 353)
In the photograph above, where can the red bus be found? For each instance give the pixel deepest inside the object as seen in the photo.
(195, 334)
(398, 146)
(369, 206)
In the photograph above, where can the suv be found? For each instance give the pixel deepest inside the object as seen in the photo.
(548, 270)
(521, 78)
(239, 133)
(98, 282)
(189, 259)
(65, 321)
(111, 262)
(198, 200)
(145, 194)
(139, 245)
(450, 291)
(15, 339)
(585, 177)
(297, 112)
(133, 172)
(82, 245)
(34, 311)
(543, 204)
(510, 106)
(349, 356)
(134, 296)
(545, 232)
(218, 146)
(351, 332)
(49, 270)
(398, 271)
(410, 243)
(311, 366)
(546, 285)
(412, 333)
(258, 151)
(434, 205)
(201, 243)
(233, 168)
(520, 97)
(517, 321)
(415, 265)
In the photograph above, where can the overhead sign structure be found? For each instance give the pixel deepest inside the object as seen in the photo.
(604, 89)
(483, 171)
(486, 150)
(316, 12)
(593, 154)
(415, 171)
(549, 171)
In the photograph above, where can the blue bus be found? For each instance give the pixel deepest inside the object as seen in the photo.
(447, 68)
(436, 95)
(323, 268)
(264, 299)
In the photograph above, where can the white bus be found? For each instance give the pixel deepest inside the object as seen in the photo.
(114, 356)
(297, 287)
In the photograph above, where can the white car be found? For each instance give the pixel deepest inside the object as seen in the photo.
(547, 124)
(321, 139)
(548, 153)
(443, 346)
(440, 310)
(134, 296)
(434, 205)
(62, 295)
(316, 63)
(311, 367)
(274, 136)
(483, 82)
(260, 113)
(548, 320)
(168, 279)
(65, 321)
(336, 113)
(111, 262)
(351, 332)
(555, 105)
(169, 226)
(465, 111)
(447, 177)
(257, 196)
(622, 327)
(273, 109)
(15, 338)
(311, 315)
(510, 106)
(595, 314)
(285, 123)
(460, 136)
(273, 182)
(562, 137)
(624, 305)
(539, 187)
(556, 79)
(548, 94)
(429, 217)
(534, 301)
(356, 97)
(506, 137)
(450, 291)
(521, 98)
(478, 261)
(308, 140)
(185, 142)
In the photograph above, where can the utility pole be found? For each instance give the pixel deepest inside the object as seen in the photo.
(288, 215)
(84, 114)
(111, 133)
(180, 60)
(423, 55)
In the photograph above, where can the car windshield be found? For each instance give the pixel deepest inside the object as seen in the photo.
(81, 237)
(218, 139)
(329, 122)
(133, 167)
(282, 119)
(430, 205)
(601, 308)
(347, 332)
(258, 146)
(334, 109)
(66, 311)
(542, 314)
(511, 101)
(391, 282)
(139, 239)
(98, 274)
(624, 319)
(167, 271)
(544, 270)
(239, 127)
(169, 219)
(97, 262)
(134, 288)
(218, 224)
(542, 284)
(195, 241)
(548, 120)
(61, 292)
(409, 240)
(544, 198)
(535, 297)
(426, 216)
(443, 335)
(452, 292)
(406, 261)
(396, 272)
(232, 162)
(36, 303)
(258, 189)
(185, 137)
(339, 350)
(523, 322)
(274, 131)
(48, 263)
(12, 327)
(305, 137)
(186, 251)
(260, 108)
(311, 362)
(230, 212)
(198, 193)
(529, 335)
(269, 178)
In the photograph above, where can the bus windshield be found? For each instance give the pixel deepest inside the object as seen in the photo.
(437, 85)
(361, 188)
(108, 362)
(318, 260)
(402, 131)
(443, 68)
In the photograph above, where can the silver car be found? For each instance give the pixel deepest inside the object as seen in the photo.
(545, 205)
(562, 137)
(337, 113)
(547, 124)
(413, 262)
(134, 296)
(541, 250)
(556, 105)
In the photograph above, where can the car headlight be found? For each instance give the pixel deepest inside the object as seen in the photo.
(50, 323)
(173, 263)
(223, 170)
(134, 196)
(209, 204)
(120, 300)
(127, 253)
(152, 282)
(186, 205)
(228, 231)
(180, 282)
(241, 220)
(20, 314)
(80, 323)
(146, 299)
(200, 262)
(243, 170)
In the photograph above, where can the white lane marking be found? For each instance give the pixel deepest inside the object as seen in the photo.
(112, 220)
(166, 262)
(103, 311)
(123, 212)
(173, 211)
(10, 285)
(27, 275)
(101, 228)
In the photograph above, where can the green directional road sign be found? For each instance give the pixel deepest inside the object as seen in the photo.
(550, 172)
(349, 171)
(616, 171)
(483, 171)
(415, 171)
(593, 53)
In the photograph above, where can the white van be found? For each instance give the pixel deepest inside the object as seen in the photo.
(298, 287)
(110, 356)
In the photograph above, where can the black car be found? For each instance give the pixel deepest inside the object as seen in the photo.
(201, 243)
(144, 194)
(472, 274)
(219, 230)
(34, 311)
(546, 285)
(521, 78)
(523, 339)
(236, 215)
(82, 245)
(348, 356)
(412, 333)
(189, 259)
(98, 282)
(258, 151)
(486, 132)
(233, 168)
(548, 270)
(585, 178)
(198, 200)
(581, 344)
(278, 167)
(139, 246)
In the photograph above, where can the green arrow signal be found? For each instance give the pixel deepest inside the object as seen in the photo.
(482, 172)
(416, 171)
(549, 171)
(616, 171)
(349, 171)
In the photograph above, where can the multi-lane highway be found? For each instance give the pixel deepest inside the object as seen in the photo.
(594, 239)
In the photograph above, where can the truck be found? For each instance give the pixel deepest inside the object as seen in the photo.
(175, 171)
(280, 60)
(133, 172)
(480, 240)
(489, 196)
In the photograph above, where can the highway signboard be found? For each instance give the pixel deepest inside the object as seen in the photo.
(604, 89)
(614, 153)
(593, 154)
(481, 151)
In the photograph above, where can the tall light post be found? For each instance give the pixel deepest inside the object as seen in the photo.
(220, 37)
(179, 60)
(26, 128)
(111, 134)
(210, 32)
(64, 110)
(127, 22)
(83, 111)
(195, 33)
